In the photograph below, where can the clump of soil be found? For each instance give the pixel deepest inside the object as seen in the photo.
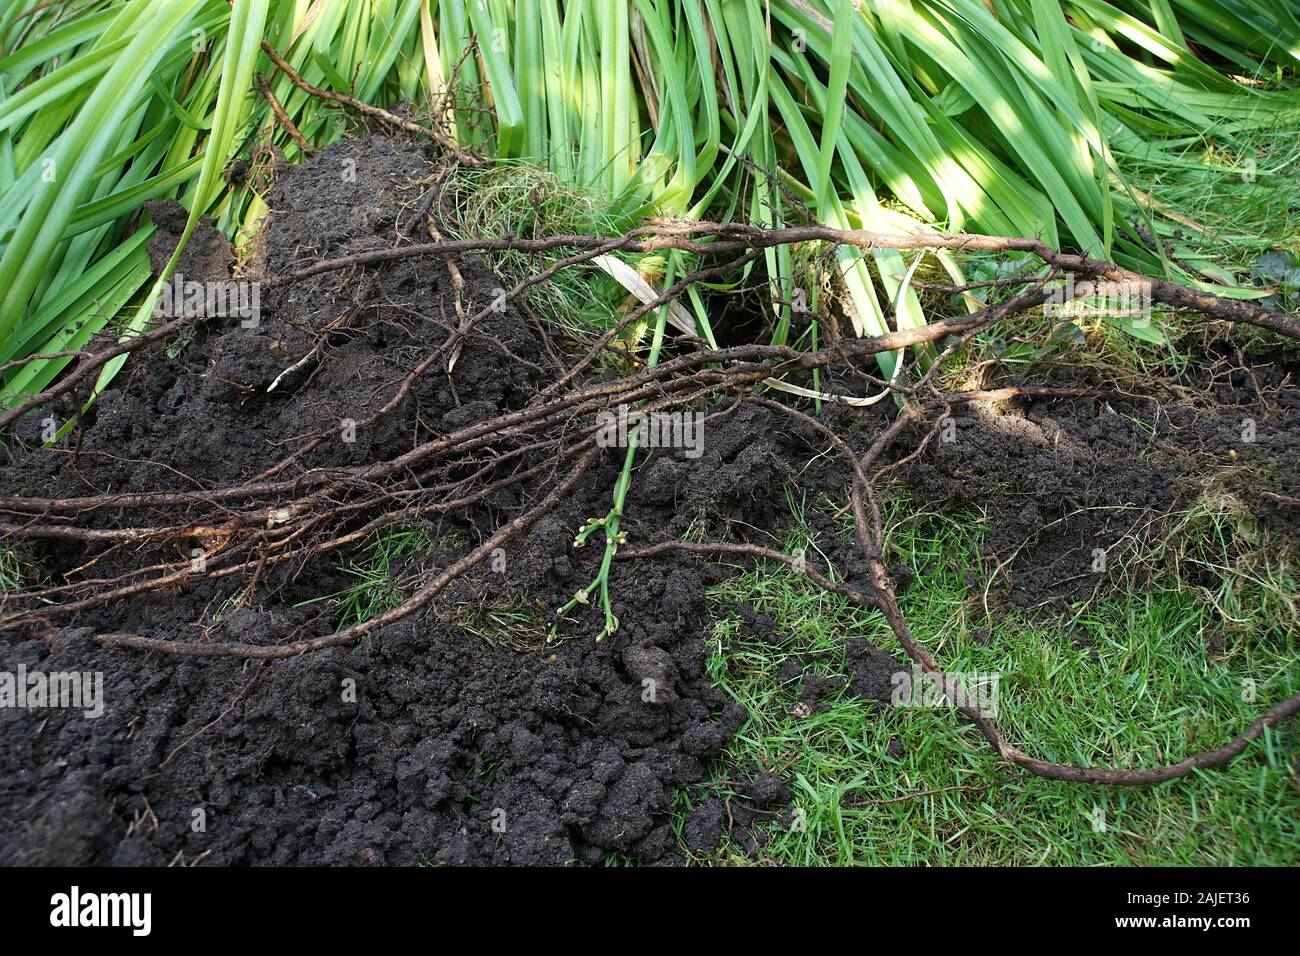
(424, 743)
(1076, 490)
(427, 742)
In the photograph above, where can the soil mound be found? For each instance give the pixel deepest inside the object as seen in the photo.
(451, 737)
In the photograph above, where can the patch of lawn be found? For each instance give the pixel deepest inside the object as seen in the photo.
(1134, 681)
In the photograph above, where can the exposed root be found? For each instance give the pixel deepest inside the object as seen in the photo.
(282, 516)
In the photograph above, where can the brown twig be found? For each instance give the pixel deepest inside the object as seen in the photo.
(283, 118)
(92, 363)
(734, 239)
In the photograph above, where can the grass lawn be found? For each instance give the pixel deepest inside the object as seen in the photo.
(1132, 681)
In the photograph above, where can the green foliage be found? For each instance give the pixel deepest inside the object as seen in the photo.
(11, 571)
(1030, 117)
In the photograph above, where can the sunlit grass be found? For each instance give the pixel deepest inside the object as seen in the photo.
(1036, 119)
(524, 200)
(1230, 210)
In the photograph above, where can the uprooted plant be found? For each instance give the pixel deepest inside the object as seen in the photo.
(293, 511)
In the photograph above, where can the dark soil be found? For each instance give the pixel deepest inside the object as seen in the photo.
(428, 742)
(425, 743)
(1066, 481)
